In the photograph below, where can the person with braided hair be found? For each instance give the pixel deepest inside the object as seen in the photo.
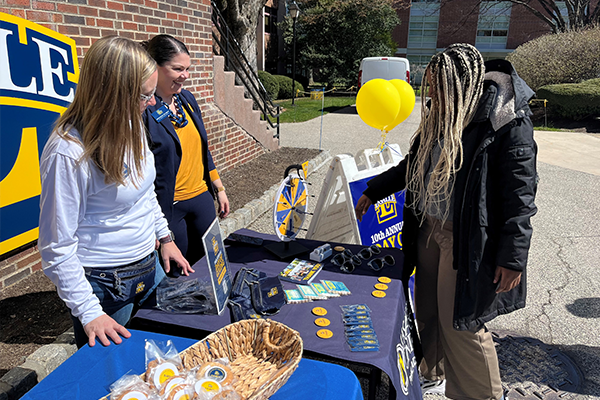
(470, 179)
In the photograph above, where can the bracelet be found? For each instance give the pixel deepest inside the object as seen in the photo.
(220, 189)
(167, 239)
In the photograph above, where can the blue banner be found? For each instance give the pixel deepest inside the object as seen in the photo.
(39, 73)
(382, 224)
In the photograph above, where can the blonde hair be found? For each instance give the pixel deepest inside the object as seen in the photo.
(454, 81)
(106, 107)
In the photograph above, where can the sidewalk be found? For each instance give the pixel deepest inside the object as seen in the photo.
(553, 347)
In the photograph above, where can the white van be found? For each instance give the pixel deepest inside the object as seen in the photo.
(384, 68)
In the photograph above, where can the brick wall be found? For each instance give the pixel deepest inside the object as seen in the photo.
(189, 20)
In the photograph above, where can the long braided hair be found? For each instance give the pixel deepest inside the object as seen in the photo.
(454, 81)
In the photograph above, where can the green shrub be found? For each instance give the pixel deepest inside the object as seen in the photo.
(270, 83)
(569, 57)
(285, 87)
(572, 100)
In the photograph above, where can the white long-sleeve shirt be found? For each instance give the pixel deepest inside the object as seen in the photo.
(85, 222)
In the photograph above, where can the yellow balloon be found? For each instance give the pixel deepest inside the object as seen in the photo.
(378, 103)
(407, 101)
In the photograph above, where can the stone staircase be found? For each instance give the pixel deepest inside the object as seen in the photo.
(229, 97)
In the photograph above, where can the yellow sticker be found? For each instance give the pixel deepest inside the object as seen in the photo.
(319, 311)
(339, 248)
(378, 293)
(211, 386)
(322, 322)
(381, 286)
(166, 374)
(384, 279)
(324, 333)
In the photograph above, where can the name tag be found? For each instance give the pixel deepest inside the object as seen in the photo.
(161, 113)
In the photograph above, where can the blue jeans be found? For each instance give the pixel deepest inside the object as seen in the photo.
(120, 289)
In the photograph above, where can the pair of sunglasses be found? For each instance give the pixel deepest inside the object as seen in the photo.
(346, 261)
(369, 252)
(377, 264)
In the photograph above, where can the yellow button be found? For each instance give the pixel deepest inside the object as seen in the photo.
(378, 293)
(322, 322)
(339, 248)
(381, 286)
(319, 311)
(324, 333)
(384, 279)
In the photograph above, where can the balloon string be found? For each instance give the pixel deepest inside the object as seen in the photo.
(381, 144)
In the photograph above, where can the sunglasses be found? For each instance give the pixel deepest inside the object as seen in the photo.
(369, 252)
(346, 261)
(377, 264)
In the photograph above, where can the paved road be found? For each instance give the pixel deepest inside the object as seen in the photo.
(563, 307)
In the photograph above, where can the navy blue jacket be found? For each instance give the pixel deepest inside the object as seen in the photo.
(494, 196)
(165, 145)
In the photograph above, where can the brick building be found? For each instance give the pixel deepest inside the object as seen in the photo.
(231, 137)
(496, 28)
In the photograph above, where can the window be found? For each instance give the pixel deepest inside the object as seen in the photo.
(270, 20)
(492, 27)
(423, 25)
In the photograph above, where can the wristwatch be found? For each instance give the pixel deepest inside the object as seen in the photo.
(167, 239)
(220, 189)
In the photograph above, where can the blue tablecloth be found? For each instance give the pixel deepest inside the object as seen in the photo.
(396, 355)
(90, 371)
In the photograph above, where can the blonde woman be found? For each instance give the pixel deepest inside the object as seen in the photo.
(100, 223)
(470, 180)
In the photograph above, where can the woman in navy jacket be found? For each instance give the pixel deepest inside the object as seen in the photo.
(471, 181)
(187, 182)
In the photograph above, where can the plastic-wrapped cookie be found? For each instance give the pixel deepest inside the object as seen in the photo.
(227, 394)
(158, 373)
(170, 384)
(217, 372)
(203, 386)
(133, 394)
(180, 392)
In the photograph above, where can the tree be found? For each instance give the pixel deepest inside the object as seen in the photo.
(334, 35)
(242, 19)
(580, 14)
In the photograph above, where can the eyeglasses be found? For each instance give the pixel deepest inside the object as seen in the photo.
(147, 98)
(369, 252)
(377, 264)
(346, 261)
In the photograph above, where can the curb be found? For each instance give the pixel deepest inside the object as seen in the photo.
(46, 359)
(37, 366)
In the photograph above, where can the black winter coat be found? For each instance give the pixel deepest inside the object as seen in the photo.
(494, 196)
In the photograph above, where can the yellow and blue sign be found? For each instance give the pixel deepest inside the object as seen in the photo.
(382, 224)
(38, 75)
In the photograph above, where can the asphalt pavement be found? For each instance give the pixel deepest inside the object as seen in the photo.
(550, 349)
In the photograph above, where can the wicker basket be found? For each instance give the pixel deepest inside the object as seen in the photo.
(263, 354)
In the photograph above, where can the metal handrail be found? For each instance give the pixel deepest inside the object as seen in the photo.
(236, 61)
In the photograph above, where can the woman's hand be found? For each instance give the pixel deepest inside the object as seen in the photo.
(170, 251)
(223, 202)
(508, 279)
(362, 206)
(104, 326)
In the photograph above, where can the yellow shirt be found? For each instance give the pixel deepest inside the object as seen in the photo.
(190, 176)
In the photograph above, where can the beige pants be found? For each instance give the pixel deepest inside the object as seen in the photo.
(467, 360)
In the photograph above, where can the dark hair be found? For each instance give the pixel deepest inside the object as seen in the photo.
(163, 48)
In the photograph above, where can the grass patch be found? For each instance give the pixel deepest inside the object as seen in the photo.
(305, 109)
